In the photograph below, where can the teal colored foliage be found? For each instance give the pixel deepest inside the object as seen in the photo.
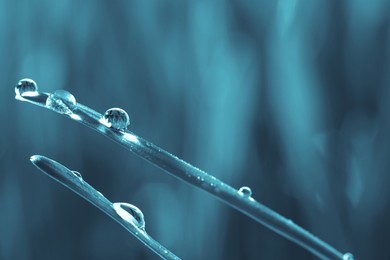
(288, 98)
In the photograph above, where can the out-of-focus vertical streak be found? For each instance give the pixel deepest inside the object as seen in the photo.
(297, 104)
(220, 108)
(11, 225)
(367, 137)
(295, 97)
(206, 33)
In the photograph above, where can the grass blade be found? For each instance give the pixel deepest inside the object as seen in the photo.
(75, 183)
(198, 178)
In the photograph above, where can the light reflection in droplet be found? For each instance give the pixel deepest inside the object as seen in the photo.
(61, 101)
(116, 118)
(77, 174)
(130, 213)
(26, 88)
(245, 191)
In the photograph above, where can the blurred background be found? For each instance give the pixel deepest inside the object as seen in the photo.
(288, 97)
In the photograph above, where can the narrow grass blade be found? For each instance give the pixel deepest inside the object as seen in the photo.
(74, 182)
(198, 178)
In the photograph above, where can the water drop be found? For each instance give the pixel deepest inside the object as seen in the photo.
(116, 118)
(245, 191)
(77, 174)
(26, 87)
(130, 213)
(348, 256)
(61, 101)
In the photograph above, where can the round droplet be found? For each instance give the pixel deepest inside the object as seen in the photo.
(26, 87)
(245, 191)
(61, 101)
(116, 118)
(348, 256)
(77, 174)
(130, 213)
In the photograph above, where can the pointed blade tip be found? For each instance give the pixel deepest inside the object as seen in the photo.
(36, 158)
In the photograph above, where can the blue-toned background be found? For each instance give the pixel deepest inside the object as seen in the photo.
(291, 98)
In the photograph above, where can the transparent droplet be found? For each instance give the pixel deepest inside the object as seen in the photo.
(26, 87)
(348, 256)
(61, 101)
(116, 118)
(77, 174)
(245, 191)
(130, 213)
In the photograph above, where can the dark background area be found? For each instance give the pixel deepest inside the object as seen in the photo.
(288, 97)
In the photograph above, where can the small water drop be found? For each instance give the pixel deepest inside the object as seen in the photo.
(245, 191)
(77, 174)
(61, 101)
(348, 256)
(116, 118)
(26, 87)
(130, 213)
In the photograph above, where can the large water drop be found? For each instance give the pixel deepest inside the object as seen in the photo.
(61, 101)
(245, 191)
(130, 213)
(116, 118)
(26, 87)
